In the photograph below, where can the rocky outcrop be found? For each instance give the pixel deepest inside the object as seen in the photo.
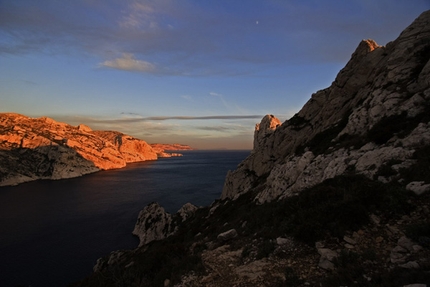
(41, 148)
(154, 223)
(375, 113)
(262, 130)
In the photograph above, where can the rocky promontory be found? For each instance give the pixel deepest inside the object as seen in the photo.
(161, 149)
(41, 148)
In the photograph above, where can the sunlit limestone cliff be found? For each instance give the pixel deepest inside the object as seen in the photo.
(41, 148)
(338, 195)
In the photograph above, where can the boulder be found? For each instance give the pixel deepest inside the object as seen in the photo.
(225, 236)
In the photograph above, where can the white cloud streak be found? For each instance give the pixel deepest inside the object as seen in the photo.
(166, 118)
(128, 63)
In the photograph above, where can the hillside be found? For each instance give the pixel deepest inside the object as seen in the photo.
(41, 148)
(338, 195)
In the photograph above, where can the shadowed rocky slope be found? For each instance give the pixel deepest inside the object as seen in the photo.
(42, 148)
(338, 195)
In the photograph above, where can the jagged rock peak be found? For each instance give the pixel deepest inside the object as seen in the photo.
(366, 46)
(268, 124)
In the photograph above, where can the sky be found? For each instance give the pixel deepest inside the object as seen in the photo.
(194, 72)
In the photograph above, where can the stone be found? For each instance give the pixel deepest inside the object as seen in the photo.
(327, 256)
(410, 265)
(349, 240)
(283, 241)
(406, 243)
(398, 254)
(326, 264)
(418, 187)
(379, 239)
(225, 236)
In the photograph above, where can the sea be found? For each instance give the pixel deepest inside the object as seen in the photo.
(53, 232)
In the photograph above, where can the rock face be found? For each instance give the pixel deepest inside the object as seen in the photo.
(154, 223)
(375, 112)
(262, 130)
(42, 148)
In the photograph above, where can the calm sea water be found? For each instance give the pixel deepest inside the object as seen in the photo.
(52, 232)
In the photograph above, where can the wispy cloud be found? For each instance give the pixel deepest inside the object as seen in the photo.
(135, 119)
(225, 104)
(137, 15)
(128, 63)
(227, 128)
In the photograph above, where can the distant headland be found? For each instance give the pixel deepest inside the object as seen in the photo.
(42, 148)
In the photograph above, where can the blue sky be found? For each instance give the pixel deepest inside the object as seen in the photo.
(195, 72)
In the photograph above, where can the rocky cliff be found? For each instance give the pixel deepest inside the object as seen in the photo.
(376, 113)
(41, 148)
(338, 195)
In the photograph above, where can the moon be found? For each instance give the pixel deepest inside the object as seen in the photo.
(256, 22)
